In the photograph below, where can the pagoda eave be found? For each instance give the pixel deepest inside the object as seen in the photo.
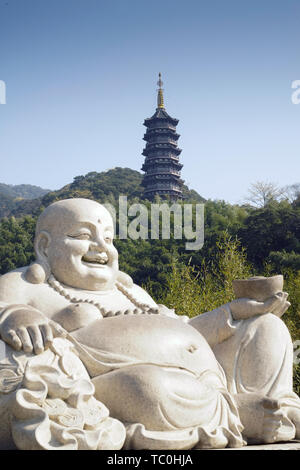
(148, 136)
(178, 166)
(161, 115)
(151, 152)
(149, 121)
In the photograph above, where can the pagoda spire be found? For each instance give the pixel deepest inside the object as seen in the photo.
(160, 96)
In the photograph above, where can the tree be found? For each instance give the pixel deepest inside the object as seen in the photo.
(273, 228)
(282, 259)
(262, 193)
(16, 246)
(292, 192)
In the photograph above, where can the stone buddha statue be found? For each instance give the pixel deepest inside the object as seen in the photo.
(89, 360)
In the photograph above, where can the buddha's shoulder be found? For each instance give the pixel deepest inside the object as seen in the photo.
(15, 288)
(16, 276)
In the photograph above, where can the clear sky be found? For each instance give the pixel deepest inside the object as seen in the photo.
(81, 77)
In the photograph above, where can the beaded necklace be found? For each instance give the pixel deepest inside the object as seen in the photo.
(140, 308)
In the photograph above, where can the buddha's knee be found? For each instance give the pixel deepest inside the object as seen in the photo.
(134, 394)
(266, 355)
(269, 333)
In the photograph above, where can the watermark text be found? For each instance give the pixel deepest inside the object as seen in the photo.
(154, 221)
(296, 94)
(296, 345)
(2, 92)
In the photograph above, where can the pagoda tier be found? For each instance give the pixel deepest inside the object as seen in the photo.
(161, 135)
(161, 165)
(153, 149)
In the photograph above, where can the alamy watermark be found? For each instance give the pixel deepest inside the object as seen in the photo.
(296, 94)
(2, 92)
(296, 345)
(156, 221)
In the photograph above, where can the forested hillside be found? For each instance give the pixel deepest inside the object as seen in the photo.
(270, 235)
(17, 199)
(23, 191)
(103, 187)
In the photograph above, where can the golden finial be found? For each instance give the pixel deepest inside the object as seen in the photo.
(160, 96)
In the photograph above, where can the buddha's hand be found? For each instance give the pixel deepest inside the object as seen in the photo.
(26, 328)
(246, 308)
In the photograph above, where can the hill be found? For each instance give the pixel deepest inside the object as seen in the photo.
(107, 186)
(23, 191)
(17, 199)
(103, 187)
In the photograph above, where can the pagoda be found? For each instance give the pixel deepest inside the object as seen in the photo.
(161, 165)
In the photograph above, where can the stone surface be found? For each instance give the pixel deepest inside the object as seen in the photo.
(124, 372)
(292, 445)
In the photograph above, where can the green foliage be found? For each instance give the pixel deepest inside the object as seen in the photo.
(292, 316)
(282, 260)
(273, 228)
(103, 187)
(23, 191)
(108, 186)
(7, 204)
(192, 290)
(16, 248)
(19, 200)
(100, 186)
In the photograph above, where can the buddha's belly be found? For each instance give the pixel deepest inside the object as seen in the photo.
(150, 339)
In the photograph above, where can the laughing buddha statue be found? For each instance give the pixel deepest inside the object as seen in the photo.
(88, 360)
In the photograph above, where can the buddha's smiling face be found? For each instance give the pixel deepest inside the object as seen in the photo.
(81, 253)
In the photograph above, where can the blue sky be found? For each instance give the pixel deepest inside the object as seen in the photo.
(81, 77)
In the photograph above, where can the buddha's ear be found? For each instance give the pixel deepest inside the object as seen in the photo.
(41, 245)
(39, 271)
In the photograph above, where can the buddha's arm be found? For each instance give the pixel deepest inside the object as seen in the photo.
(219, 324)
(21, 325)
(246, 308)
(216, 326)
(24, 327)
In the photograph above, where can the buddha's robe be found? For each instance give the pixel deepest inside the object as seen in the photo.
(160, 377)
(161, 373)
(173, 384)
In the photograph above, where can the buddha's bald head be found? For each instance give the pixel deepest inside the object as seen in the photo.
(62, 214)
(74, 242)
